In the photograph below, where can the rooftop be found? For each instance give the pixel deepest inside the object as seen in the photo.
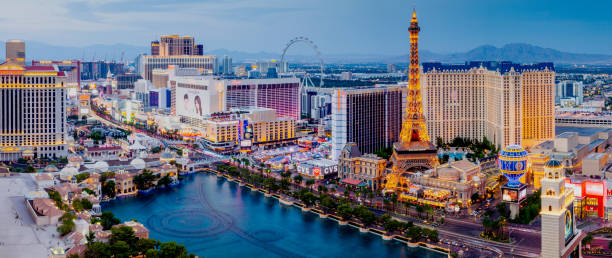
(580, 130)
(503, 66)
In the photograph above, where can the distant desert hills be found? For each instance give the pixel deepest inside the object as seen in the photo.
(516, 52)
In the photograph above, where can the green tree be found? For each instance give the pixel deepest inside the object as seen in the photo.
(144, 180)
(121, 249)
(586, 241)
(172, 249)
(475, 197)
(308, 198)
(328, 203)
(82, 176)
(284, 184)
(124, 234)
(108, 220)
(142, 245)
(98, 249)
(108, 189)
(164, 181)
(345, 211)
(29, 169)
(309, 183)
(414, 233)
(298, 179)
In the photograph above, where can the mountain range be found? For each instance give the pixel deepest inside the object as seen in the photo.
(516, 52)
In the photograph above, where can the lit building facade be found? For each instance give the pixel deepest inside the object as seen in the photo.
(72, 70)
(367, 170)
(175, 45)
(150, 63)
(33, 112)
(506, 102)
(369, 117)
(560, 235)
(197, 95)
(247, 127)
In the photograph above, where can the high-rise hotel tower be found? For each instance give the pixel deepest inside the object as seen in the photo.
(32, 112)
(506, 102)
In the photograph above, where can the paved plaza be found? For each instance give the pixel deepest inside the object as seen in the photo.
(19, 236)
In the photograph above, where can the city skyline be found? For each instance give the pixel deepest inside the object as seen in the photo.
(340, 27)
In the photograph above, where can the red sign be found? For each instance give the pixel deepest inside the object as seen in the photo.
(594, 188)
(316, 171)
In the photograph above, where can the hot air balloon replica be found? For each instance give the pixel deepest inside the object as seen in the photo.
(513, 163)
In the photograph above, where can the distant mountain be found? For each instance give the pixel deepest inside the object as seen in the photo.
(517, 52)
(42, 51)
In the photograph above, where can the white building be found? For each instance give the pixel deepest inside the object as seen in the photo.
(32, 112)
(197, 95)
(560, 236)
(569, 90)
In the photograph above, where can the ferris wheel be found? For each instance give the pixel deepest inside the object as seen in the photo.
(306, 80)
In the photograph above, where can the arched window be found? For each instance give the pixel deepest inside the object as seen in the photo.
(549, 208)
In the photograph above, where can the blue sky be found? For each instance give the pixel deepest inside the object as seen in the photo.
(337, 26)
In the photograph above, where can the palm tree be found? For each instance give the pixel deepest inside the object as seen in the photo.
(298, 179)
(420, 209)
(309, 183)
(586, 241)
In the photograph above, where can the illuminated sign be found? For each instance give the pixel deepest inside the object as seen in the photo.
(316, 171)
(577, 188)
(522, 194)
(510, 195)
(569, 223)
(594, 188)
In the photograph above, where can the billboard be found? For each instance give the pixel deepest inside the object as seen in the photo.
(594, 188)
(195, 103)
(569, 223)
(510, 195)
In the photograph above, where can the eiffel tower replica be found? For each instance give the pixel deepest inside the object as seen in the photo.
(414, 152)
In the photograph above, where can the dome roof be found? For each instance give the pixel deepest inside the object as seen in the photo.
(69, 170)
(448, 173)
(51, 168)
(513, 151)
(101, 165)
(553, 163)
(167, 155)
(138, 163)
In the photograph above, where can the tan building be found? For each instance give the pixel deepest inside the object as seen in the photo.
(15, 52)
(357, 169)
(44, 211)
(223, 131)
(571, 147)
(507, 103)
(160, 78)
(124, 184)
(452, 183)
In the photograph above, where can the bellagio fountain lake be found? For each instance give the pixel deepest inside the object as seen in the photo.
(213, 217)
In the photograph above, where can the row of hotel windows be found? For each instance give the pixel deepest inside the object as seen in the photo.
(28, 80)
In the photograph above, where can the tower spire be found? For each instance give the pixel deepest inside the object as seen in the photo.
(414, 151)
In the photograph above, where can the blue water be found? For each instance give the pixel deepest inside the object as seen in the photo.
(454, 155)
(216, 218)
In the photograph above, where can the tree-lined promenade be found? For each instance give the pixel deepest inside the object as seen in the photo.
(301, 193)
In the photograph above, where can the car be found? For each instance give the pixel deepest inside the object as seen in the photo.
(435, 224)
